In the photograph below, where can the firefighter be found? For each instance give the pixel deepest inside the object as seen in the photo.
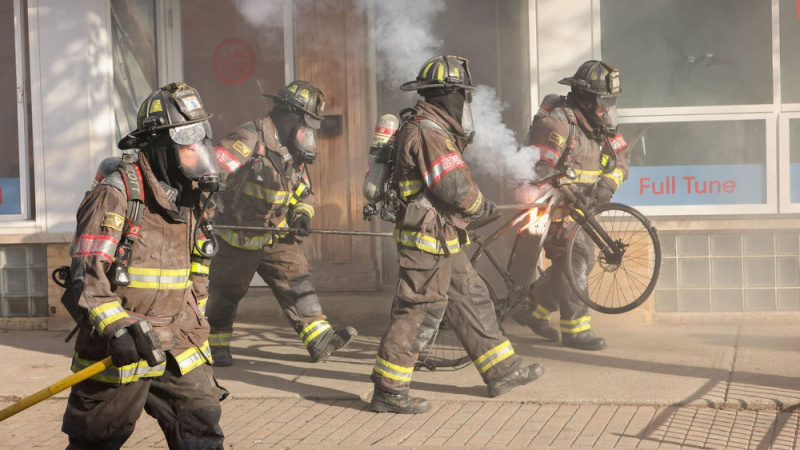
(264, 166)
(132, 261)
(585, 121)
(441, 197)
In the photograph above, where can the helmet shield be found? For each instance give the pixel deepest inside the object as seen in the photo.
(189, 134)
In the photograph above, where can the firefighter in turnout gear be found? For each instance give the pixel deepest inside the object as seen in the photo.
(132, 262)
(584, 123)
(440, 198)
(264, 163)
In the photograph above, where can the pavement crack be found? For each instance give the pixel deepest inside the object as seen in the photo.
(729, 379)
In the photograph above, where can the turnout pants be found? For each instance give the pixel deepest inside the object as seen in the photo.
(430, 285)
(552, 291)
(284, 267)
(103, 416)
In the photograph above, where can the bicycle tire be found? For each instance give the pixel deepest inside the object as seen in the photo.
(615, 287)
(445, 350)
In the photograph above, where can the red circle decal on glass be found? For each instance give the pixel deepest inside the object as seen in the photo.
(233, 61)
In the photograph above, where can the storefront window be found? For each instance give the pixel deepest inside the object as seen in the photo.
(133, 28)
(790, 59)
(720, 162)
(684, 53)
(794, 160)
(233, 51)
(14, 154)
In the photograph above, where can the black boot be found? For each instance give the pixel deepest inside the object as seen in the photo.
(383, 401)
(585, 340)
(221, 356)
(519, 377)
(330, 344)
(539, 326)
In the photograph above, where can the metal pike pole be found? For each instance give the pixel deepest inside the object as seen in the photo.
(54, 389)
(519, 206)
(289, 230)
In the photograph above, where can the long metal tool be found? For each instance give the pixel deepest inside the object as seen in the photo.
(289, 230)
(54, 389)
(519, 206)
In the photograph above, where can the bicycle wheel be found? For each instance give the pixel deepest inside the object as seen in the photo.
(618, 281)
(444, 352)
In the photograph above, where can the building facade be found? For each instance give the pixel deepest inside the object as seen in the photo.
(710, 107)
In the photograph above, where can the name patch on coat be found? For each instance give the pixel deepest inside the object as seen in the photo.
(113, 220)
(557, 139)
(242, 148)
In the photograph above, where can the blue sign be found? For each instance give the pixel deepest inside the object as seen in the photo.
(695, 185)
(10, 196)
(794, 182)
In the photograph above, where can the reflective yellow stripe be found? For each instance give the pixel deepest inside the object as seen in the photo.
(193, 358)
(474, 208)
(142, 278)
(250, 243)
(409, 187)
(494, 356)
(393, 371)
(199, 269)
(576, 325)
(313, 330)
(201, 304)
(268, 195)
(306, 208)
(106, 314)
(120, 375)
(427, 244)
(541, 313)
(220, 339)
(616, 175)
(298, 192)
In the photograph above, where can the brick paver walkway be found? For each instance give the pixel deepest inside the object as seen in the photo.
(298, 423)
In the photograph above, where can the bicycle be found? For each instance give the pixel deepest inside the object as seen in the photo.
(627, 255)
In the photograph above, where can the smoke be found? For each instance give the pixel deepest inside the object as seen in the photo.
(267, 17)
(495, 151)
(404, 38)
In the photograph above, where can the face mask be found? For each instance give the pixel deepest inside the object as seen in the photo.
(196, 157)
(606, 111)
(466, 122)
(304, 143)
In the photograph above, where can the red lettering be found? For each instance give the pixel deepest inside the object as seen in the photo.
(644, 183)
(689, 184)
(1, 196)
(729, 186)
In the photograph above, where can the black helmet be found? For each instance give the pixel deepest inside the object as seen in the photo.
(303, 98)
(173, 107)
(446, 71)
(597, 77)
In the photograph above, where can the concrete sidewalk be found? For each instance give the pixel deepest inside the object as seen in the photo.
(687, 386)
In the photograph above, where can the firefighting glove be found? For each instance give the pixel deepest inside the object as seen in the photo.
(123, 349)
(602, 194)
(489, 209)
(302, 225)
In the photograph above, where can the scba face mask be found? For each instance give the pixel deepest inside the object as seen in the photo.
(467, 122)
(606, 111)
(304, 142)
(196, 157)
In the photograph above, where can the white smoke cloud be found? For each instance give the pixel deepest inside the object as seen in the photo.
(496, 151)
(261, 12)
(404, 38)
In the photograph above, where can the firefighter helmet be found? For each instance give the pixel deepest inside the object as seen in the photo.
(303, 98)
(176, 107)
(597, 77)
(445, 71)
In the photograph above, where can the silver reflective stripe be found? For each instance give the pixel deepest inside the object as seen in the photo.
(393, 371)
(576, 325)
(220, 339)
(494, 356)
(313, 330)
(106, 314)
